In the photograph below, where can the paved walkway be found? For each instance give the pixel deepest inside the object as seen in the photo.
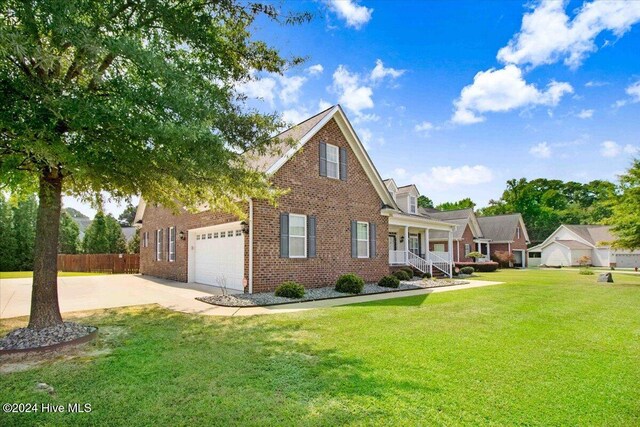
(97, 292)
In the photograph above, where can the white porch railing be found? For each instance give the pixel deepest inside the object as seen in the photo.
(420, 263)
(433, 259)
(441, 262)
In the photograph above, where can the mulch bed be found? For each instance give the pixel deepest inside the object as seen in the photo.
(25, 339)
(317, 294)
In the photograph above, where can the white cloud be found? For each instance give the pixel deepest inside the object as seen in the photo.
(324, 105)
(379, 72)
(259, 88)
(585, 114)
(548, 35)
(610, 149)
(631, 149)
(314, 70)
(352, 94)
(541, 150)
(354, 14)
(441, 177)
(594, 83)
(290, 88)
(424, 128)
(366, 137)
(399, 173)
(294, 116)
(503, 90)
(634, 91)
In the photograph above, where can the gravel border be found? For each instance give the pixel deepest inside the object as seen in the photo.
(317, 294)
(25, 339)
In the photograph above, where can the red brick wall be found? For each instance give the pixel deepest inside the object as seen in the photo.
(518, 243)
(156, 217)
(334, 202)
(467, 238)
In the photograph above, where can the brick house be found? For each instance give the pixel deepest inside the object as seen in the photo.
(484, 234)
(338, 217)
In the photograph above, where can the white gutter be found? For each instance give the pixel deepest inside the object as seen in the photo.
(250, 246)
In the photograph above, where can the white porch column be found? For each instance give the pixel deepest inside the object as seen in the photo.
(406, 244)
(426, 248)
(450, 247)
(488, 251)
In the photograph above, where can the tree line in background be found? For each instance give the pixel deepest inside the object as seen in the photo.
(545, 204)
(18, 233)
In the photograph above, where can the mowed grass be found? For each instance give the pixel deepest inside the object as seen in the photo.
(27, 274)
(546, 348)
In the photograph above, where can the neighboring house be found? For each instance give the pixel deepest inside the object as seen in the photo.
(487, 235)
(338, 217)
(506, 233)
(569, 243)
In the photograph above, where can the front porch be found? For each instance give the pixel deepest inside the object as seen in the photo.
(410, 245)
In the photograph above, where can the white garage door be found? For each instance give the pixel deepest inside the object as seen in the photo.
(219, 256)
(627, 260)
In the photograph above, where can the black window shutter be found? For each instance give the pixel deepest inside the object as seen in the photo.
(168, 241)
(311, 236)
(323, 159)
(284, 235)
(354, 239)
(372, 240)
(343, 164)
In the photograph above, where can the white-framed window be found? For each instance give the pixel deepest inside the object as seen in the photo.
(158, 244)
(414, 244)
(517, 232)
(238, 233)
(145, 239)
(172, 244)
(467, 249)
(362, 238)
(438, 247)
(333, 161)
(413, 204)
(298, 235)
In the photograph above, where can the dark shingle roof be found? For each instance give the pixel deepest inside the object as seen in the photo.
(262, 162)
(499, 228)
(594, 234)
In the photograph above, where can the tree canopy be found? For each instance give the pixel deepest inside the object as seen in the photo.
(460, 204)
(104, 236)
(545, 204)
(425, 202)
(626, 209)
(130, 97)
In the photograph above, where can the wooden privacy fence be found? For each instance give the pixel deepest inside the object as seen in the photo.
(100, 263)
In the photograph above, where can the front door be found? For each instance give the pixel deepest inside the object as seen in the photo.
(392, 242)
(414, 244)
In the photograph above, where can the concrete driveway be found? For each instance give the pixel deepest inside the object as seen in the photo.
(82, 293)
(119, 290)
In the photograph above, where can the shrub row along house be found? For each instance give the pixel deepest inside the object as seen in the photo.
(573, 245)
(338, 217)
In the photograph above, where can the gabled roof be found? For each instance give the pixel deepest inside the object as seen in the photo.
(408, 188)
(461, 224)
(572, 244)
(502, 228)
(594, 234)
(264, 161)
(447, 215)
(460, 217)
(301, 133)
(391, 184)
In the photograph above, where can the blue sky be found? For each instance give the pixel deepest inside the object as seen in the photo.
(458, 97)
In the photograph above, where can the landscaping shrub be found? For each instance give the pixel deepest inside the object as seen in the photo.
(426, 275)
(503, 258)
(484, 267)
(290, 290)
(402, 275)
(389, 282)
(350, 284)
(467, 270)
(409, 271)
(585, 271)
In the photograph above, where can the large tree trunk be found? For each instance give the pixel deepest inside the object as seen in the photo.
(45, 310)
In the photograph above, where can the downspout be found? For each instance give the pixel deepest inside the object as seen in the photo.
(250, 246)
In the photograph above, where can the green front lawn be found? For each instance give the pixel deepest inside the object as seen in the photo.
(547, 348)
(27, 274)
